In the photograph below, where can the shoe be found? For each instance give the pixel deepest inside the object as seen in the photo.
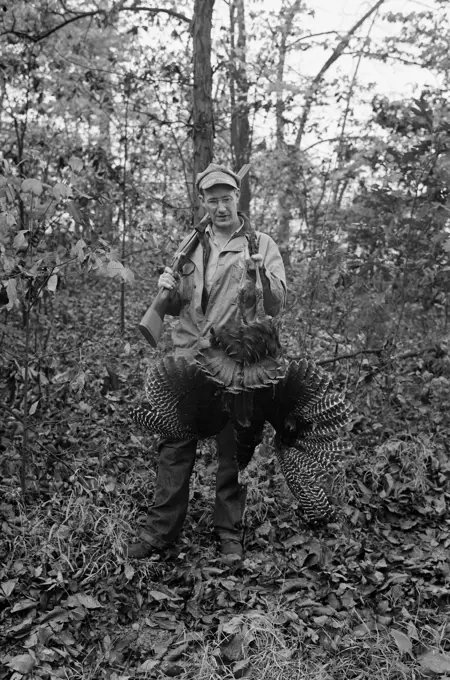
(141, 550)
(231, 548)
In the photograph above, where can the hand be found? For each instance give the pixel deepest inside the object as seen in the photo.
(254, 262)
(168, 279)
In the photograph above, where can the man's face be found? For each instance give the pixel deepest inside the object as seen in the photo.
(221, 203)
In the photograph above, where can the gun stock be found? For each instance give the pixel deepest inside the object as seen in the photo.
(151, 323)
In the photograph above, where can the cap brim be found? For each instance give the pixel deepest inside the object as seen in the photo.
(214, 178)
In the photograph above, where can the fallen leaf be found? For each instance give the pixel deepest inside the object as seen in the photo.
(435, 662)
(8, 586)
(297, 539)
(158, 595)
(403, 641)
(129, 571)
(22, 605)
(232, 651)
(84, 600)
(362, 630)
(147, 666)
(23, 663)
(241, 669)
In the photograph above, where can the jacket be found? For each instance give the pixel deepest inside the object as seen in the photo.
(197, 318)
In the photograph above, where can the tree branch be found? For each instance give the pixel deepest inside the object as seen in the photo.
(375, 350)
(312, 91)
(84, 15)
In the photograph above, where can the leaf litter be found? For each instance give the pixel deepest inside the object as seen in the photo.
(375, 584)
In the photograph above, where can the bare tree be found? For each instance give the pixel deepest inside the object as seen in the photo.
(203, 120)
(240, 126)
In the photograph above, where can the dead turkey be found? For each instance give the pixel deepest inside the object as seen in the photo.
(244, 355)
(184, 402)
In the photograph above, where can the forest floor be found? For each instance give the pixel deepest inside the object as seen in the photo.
(368, 597)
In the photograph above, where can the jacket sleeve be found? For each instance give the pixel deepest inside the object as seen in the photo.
(273, 277)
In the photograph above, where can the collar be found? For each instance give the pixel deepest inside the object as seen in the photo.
(209, 230)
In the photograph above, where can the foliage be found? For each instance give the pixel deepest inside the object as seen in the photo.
(95, 188)
(303, 602)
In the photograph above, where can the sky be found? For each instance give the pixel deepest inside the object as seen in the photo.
(342, 14)
(394, 81)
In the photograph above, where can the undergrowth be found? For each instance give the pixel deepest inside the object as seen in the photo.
(362, 598)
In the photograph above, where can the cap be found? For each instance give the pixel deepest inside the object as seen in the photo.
(217, 174)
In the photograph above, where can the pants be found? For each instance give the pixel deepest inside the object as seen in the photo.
(168, 512)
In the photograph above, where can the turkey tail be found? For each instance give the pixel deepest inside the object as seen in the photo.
(143, 416)
(182, 402)
(303, 404)
(307, 417)
(309, 481)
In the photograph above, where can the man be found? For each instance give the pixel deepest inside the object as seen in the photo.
(205, 297)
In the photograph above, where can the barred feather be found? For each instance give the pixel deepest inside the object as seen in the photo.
(185, 401)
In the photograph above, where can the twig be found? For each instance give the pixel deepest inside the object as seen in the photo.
(50, 453)
(350, 355)
(376, 350)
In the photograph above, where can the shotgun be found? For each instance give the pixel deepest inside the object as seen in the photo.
(152, 322)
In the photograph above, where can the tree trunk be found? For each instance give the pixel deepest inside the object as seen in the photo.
(240, 126)
(203, 122)
(285, 177)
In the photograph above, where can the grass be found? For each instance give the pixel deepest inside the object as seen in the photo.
(70, 535)
(78, 534)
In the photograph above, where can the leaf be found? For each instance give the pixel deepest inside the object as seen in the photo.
(158, 595)
(241, 668)
(403, 641)
(129, 572)
(148, 665)
(20, 241)
(128, 275)
(52, 283)
(32, 185)
(78, 250)
(8, 263)
(33, 408)
(22, 627)
(233, 650)
(435, 662)
(75, 163)
(72, 209)
(23, 605)
(114, 268)
(11, 289)
(23, 663)
(86, 601)
(8, 586)
(61, 190)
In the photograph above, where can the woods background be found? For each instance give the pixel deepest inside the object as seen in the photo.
(107, 112)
